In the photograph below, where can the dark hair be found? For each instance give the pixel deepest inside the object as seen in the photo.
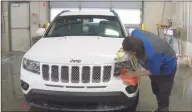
(133, 44)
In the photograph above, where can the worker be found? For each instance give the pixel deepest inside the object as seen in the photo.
(158, 58)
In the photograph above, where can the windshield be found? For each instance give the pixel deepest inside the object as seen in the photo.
(106, 26)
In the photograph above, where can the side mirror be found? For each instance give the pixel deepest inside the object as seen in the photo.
(40, 31)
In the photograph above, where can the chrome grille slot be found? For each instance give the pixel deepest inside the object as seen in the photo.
(96, 77)
(75, 74)
(106, 73)
(86, 74)
(65, 74)
(45, 72)
(55, 73)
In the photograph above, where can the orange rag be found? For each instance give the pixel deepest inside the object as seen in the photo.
(127, 79)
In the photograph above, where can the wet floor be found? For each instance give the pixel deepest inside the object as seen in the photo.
(12, 97)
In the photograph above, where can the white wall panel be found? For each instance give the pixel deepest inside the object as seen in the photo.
(97, 4)
(129, 16)
(57, 4)
(127, 5)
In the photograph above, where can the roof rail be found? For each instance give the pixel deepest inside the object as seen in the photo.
(113, 11)
(62, 12)
(55, 19)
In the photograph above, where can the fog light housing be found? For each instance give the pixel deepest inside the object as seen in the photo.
(24, 85)
(131, 89)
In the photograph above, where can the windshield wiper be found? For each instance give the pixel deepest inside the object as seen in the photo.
(55, 35)
(109, 36)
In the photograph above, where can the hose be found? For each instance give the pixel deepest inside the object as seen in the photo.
(3, 22)
(163, 13)
(134, 63)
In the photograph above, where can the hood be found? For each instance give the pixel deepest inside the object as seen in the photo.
(75, 49)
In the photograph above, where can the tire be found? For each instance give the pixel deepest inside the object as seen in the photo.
(134, 105)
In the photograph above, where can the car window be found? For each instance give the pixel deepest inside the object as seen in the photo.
(106, 26)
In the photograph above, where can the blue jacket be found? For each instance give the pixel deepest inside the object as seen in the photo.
(160, 57)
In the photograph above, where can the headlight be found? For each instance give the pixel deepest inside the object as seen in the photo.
(32, 66)
(124, 64)
(119, 66)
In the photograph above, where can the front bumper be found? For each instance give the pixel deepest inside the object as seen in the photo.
(79, 101)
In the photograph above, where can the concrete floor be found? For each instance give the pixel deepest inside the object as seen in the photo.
(12, 97)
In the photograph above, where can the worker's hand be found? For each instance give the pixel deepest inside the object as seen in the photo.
(130, 78)
(127, 73)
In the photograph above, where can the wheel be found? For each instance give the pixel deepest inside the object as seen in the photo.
(134, 105)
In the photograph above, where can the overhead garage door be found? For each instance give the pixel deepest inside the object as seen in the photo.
(97, 4)
(130, 12)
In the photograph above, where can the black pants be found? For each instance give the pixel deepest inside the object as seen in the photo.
(161, 87)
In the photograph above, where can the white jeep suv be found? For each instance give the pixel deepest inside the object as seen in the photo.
(75, 66)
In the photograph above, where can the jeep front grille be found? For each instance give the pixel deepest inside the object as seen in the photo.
(96, 74)
(86, 74)
(76, 74)
(55, 73)
(65, 74)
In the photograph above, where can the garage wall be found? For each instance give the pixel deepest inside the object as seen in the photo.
(182, 18)
(39, 15)
(4, 23)
(181, 14)
(154, 14)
